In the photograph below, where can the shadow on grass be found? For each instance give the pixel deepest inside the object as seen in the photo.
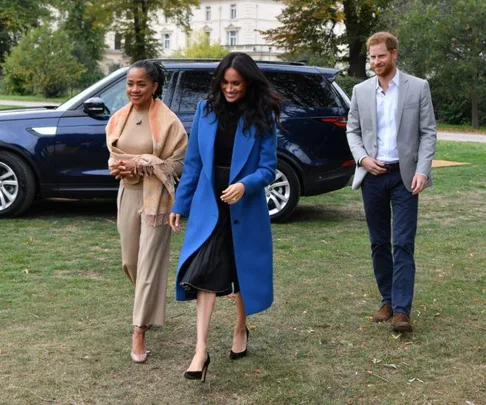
(60, 207)
(322, 214)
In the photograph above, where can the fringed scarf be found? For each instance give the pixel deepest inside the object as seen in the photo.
(160, 170)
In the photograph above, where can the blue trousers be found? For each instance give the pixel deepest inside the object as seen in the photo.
(390, 206)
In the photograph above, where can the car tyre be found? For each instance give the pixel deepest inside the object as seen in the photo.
(17, 185)
(283, 193)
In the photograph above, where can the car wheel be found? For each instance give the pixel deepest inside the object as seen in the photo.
(283, 193)
(17, 185)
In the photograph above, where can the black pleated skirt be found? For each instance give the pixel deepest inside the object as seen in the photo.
(212, 267)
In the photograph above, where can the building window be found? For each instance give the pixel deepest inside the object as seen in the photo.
(208, 13)
(166, 41)
(232, 38)
(166, 19)
(233, 11)
(118, 41)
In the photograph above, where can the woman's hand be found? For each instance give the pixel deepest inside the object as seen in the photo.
(174, 221)
(233, 193)
(122, 169)
(115, 169)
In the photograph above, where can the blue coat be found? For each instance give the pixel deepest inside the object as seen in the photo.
(253, 163)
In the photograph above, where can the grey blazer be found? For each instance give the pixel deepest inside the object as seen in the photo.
(416, 128)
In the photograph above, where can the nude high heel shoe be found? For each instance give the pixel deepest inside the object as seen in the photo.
(140, 358)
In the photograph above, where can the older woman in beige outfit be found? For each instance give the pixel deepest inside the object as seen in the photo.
(147, 144)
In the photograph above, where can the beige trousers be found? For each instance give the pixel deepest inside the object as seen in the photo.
(145, 257)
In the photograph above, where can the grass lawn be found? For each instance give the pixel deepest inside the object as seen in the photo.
(33, 98)
(460, 128)
(65, 310)
(8, 107)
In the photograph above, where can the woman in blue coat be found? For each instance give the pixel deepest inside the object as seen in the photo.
(230, 160)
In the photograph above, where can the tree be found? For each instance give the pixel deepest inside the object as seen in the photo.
(445, 41)
(134, 20)
(316, 27)
(16, 18)
(42, 63)
(200, 47)
(86, 33)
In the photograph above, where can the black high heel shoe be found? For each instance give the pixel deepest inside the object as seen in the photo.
(240, 355)
(199, 375)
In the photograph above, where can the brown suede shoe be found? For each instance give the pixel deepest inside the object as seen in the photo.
(383, 314)
(401, 323)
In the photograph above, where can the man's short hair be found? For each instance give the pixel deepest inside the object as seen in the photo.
(390, 41)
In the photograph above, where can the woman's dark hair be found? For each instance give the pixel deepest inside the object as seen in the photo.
(260, 104)
(155, 71)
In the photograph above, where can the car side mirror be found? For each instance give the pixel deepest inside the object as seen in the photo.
(95, 106)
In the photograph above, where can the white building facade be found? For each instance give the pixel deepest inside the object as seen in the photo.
(235, 24)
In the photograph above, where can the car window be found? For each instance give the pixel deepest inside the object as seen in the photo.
(116, 96)
(303, 89)
(195, 86)
(81, 96)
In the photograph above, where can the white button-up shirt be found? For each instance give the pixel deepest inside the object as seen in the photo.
(386, 121)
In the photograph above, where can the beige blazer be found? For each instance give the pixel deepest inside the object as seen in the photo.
(416, 127)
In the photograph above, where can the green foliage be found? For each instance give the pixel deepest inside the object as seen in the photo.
(86, 35)
(445, 42)
(310, 58)
(42, 63)
(17, 17)
(308, 26)
(200, 47)
(347, 83)
(314, 27)
(133, 19)
(112, 67)
(453, 105)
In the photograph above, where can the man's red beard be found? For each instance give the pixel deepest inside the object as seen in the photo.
(387, 69)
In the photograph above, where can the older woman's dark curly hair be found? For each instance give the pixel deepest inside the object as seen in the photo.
(155, 71)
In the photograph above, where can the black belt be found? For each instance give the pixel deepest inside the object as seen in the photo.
(392, 167)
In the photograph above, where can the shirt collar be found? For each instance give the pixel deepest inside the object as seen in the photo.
(395, 81)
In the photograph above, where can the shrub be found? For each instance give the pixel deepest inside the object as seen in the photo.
(201, 47)
(347, 83)
(41, 63)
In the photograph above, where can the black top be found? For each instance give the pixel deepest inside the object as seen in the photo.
(225, 136)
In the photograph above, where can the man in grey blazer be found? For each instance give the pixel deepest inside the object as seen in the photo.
(391, 132)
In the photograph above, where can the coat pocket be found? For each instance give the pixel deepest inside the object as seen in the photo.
(415, 105)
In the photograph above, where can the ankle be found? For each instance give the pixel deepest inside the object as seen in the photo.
(141, 329)
(200, 351)
(240, 329)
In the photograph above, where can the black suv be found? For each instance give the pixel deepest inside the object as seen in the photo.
(61, 152)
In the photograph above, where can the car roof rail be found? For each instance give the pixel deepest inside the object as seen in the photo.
(208, 60)
(282, 62)
(185, 60)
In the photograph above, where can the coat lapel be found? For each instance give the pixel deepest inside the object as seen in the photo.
(206, 137)
(241, 150)
(402, 96)
(373, 84)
